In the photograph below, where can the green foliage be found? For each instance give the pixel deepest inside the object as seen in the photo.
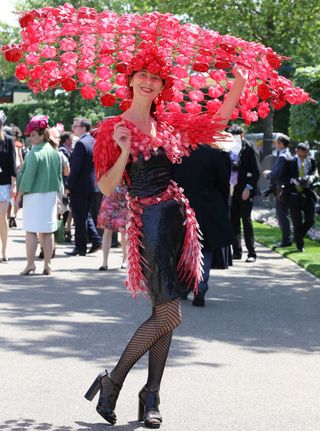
(305, 119)
(309, 260)
(8, 35)
(62, 108)
(282, 24)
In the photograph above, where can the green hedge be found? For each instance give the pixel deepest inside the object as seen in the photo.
(62, 108)
(305, 119)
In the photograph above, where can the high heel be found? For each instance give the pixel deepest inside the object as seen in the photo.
(148, 410)
(28, 270)
(109, 392)
(46, 270)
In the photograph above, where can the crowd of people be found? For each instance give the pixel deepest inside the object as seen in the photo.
(292, 182)
(56, 180)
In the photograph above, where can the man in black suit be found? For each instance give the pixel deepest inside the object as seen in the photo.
(82, 185)
(303, 173)
(279, 178)
(246, 173)
(205, 178)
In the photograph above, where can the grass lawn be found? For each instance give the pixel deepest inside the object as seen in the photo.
(310, 259)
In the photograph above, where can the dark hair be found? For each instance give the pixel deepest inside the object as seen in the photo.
(284, 139)
(45, 133)
(84, 122)
(64, 137)
(235, 129)
(16, 132)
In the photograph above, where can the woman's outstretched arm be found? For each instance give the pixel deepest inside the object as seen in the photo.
(225, 111)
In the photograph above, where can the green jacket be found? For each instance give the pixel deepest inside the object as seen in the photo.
(41, 171)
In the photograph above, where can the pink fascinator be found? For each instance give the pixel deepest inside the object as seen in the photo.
(36, 123)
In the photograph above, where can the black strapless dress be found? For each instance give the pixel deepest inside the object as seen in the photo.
(163, 228)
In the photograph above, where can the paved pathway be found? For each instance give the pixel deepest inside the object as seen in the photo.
(248, 361)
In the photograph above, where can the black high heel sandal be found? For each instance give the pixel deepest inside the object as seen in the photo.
(109, 392)
(148, 411)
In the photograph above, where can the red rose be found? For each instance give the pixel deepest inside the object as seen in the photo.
(125, 104)
(13, 54)
(108, 100)
(88, 92)
(26, 19)
(222, 64)
(121, 67)
(69, 84)
(264, 91)
(200, 67)
(274, 61)
(263, 109)
(22, 72)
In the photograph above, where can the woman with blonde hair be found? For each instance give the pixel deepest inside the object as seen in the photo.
(39, 182)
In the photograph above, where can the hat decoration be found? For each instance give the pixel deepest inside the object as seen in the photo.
(95, 53)
(38, 122)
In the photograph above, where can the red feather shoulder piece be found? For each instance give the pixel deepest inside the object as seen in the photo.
(106, 151)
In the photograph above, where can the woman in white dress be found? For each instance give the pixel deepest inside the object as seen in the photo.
(39, 182)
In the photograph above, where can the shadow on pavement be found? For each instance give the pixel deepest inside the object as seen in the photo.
(32, 425)
(89, 315)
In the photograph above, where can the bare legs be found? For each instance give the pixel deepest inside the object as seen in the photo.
(106, 245)
(4, 228)
(154, 335)
(45, 240)
(124, 250)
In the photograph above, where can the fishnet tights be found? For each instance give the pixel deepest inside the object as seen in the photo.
(155, 335)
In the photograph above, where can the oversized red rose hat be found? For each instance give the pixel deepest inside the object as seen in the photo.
(81, 49)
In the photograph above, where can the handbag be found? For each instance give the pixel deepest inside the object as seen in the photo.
(59, 233)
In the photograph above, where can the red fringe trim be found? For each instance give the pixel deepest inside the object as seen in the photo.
(190, 263)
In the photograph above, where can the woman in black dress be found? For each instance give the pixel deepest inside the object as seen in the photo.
(8, 173)
(163, 249)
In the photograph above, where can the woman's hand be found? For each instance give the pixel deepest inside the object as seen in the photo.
(122, 137)
(245, 194)
(240, 74)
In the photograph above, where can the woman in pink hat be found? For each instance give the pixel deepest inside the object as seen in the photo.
(39, 181)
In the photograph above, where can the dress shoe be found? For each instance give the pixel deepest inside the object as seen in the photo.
(283, 244)
(94, 248)
(12, 222)
(75, 252)
(236, 256)
(67, 236)
(103, 268)
(109, 392)
(251, 259)
(124, 264)
(148, 411)
(29, 270)
(198, 300)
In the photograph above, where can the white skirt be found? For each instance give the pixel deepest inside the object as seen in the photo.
(39, 212)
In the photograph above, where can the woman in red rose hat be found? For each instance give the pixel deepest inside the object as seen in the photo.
(163, 247)
(179, 84)
(38, 183)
